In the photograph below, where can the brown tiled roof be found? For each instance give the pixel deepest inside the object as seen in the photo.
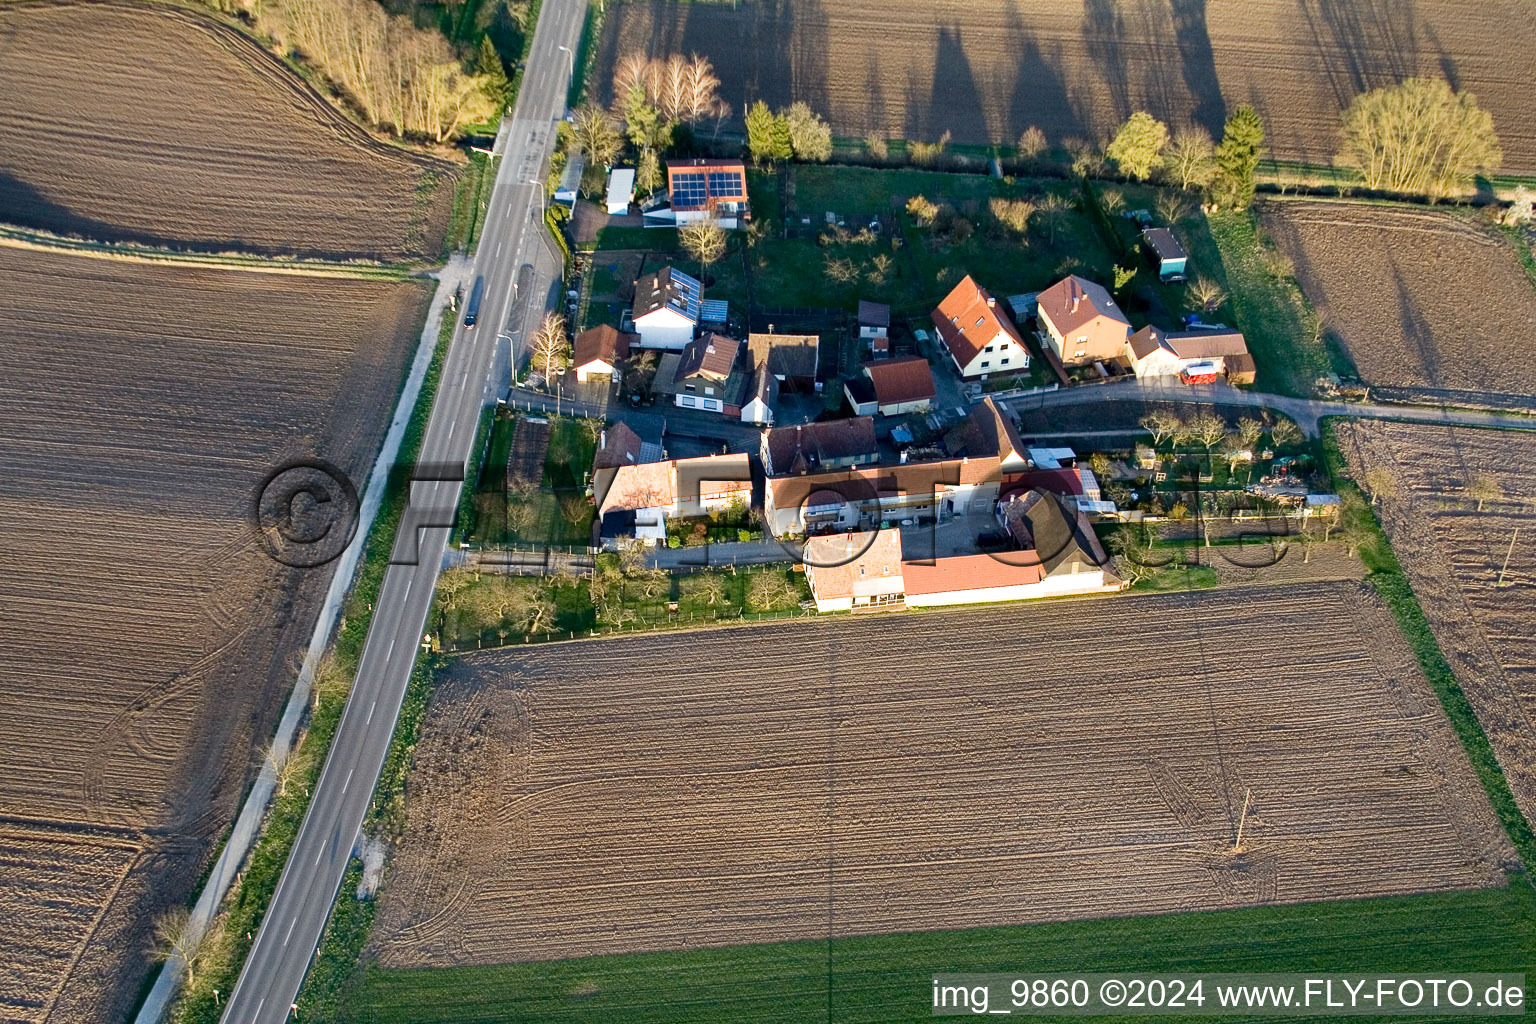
(1058, 532)
(618, 446)
(874, 314)
(604, 342)
(710, 355)
(1188, 344)
(860, 483)
(813, 444)
(787, 355)
(1207, 344)
(1240, 364)
(1073, 301)
(907, 379)
(968, 320)
(990, 433)
(646, 485)
(834, 560)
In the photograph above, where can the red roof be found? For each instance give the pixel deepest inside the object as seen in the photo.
(1074, 301)
(967, 320)
(972, 572)
(897, 381)
(604, 342)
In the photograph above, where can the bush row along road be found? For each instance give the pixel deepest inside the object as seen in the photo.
(291, 929)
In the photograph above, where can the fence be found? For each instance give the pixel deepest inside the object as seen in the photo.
(1012, 393)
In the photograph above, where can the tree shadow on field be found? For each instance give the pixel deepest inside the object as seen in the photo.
(954, 101)
(1039, 93)
(1197, 63)
(1104, 36)
(1363, 44)
(23, 205)
(1418, 339)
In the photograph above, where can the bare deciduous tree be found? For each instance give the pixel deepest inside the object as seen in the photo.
(178, 937)
(1285, 432)
(1484, 487)
(1013, 214)
(1161, 424)
(549, 345)
(1419, 136)
(704, 240)
(1192, 158)
(1171, 208)
(770, 591)
(1381, 482)
(1205, 294)
(1031, 143)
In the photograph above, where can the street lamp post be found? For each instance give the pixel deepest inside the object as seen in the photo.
(570, 59)
(539, 191)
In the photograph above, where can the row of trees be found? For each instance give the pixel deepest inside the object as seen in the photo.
(1419, 137)
(402, 78)
(1143, 148)
(796, 131)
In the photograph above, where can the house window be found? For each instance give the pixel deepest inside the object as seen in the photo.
(986, 364)
(709, 390)
(688, 387)
(989, 348)
(980, 320)
(1005, 362)
(1082, 339)
(686, 400)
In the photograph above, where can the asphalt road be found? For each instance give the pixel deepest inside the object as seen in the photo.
(473, 373)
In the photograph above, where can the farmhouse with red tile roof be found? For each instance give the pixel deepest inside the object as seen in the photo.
(977, 335)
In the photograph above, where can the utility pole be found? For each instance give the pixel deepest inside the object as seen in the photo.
(1242, 819)
(1505, 567)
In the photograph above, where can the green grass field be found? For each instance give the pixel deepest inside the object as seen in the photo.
(886, 978)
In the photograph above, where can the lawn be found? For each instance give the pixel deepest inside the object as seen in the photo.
(886, 978)
(551, 510)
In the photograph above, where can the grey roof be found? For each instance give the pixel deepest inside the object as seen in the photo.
(1056, 531)
(874, 314)
(1164, 244)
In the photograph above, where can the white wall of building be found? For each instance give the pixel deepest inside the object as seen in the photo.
(664, 328)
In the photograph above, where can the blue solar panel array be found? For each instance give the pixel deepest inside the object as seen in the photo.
(688, 293)
(692, 190)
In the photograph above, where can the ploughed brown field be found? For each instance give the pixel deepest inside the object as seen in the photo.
(143, 122)
(1421, 299)
(880, 774)
(988, 69)
(150, 642)
(1454, 552)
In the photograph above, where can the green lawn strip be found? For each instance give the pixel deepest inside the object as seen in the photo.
(585, 57)
(1389, 581)
(1267, 309)
(247, 902)
(1522, 251)
(464, 522)
(887, 978)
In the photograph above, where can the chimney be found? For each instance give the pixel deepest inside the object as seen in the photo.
(770, 328)
(991, 302)
(602, 440)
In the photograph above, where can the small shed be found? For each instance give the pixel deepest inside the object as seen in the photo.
(570, 180)
(621, 190)
(1172, 260)
(1024, 305)
(861, 395)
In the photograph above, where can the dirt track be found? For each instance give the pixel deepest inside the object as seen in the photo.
(144, 122)
(150, 641)
(1420, 298)
(1453, 554)
(883, 774)
(987, 69)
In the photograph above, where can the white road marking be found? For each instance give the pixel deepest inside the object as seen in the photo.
(291, 924)
(318, 855)
(391, 648)
(370, 712)
(259, 1006)
(347, 783)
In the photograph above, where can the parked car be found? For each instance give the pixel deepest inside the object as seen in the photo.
(992, 540)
